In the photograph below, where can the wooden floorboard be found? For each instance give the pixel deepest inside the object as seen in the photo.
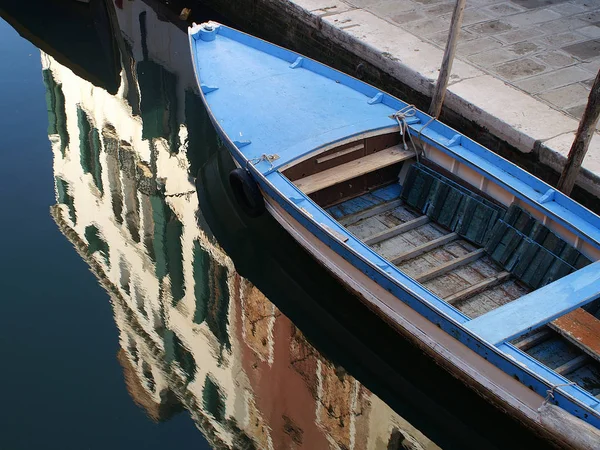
(398, 229)
(477, 288)
(534, 339)
(423, 248)
(344, 172)
(571, 366)
(492, 298)
(450, 265)
(369, 212)
(426, 258)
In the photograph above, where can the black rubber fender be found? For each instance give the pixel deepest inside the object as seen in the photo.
(246, 192)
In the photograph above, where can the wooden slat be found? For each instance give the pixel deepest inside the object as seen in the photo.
(571, 366)
(477, 288)
(581, 329)
(398, 229)
(351, 219)
(533, 340)
(353, 169)
(420, 249)
(340, 153)
(450, 265)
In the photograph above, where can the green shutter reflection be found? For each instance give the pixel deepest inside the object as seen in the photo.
(158, 103)
(96, 243)
(89, 148)
(62, 187)
(55, 105)
(167, 246)
(212, 399)
(218, 307)
(175, 258)
(200, 265)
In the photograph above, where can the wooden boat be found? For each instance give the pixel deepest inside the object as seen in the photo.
(486, 268)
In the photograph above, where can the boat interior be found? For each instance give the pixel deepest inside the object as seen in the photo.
(462, 236)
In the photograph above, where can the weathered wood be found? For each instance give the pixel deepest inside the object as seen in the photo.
(581, 329)
(340, 153)
(369, 212)
(353, 169)
(450, 265)
(420, 249)
(477, 288)
(533, 340)
(583, 137)
(398, 229)
(442, 82)
(568, 427)
(571, 366)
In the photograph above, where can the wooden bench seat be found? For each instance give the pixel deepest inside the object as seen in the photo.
(353, 169)
(581, 329)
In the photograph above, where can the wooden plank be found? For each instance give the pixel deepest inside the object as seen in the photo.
(572, 365)
(450, 265)
(538, 307)
(369, 212)
(477, 288)
(420, 249)
(353, 169)
(585, 132)
(340, 153)
(336, 234)
(398, 229)
(581, 329)
(533, 340)
(442, 82)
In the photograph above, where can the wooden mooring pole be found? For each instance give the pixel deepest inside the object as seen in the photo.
(442, 82)
(584, 135)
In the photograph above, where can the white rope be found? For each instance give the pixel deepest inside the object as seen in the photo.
(264, 157)
(401, 116)
(550, 392)
(425, 126)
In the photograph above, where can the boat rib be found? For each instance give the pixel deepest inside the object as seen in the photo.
(477, 288)
(451, 265)
(398, 229)
(423, 248)
(535, 339)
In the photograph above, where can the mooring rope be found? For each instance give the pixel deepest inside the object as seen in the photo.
(401, 117)
(550, 392)
(263, 157)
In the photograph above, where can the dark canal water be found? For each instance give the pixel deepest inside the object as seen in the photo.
(140, 308)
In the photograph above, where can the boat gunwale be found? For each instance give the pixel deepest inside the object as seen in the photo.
(563, 389)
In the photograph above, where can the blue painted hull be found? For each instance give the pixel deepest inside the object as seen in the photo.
(298, 208)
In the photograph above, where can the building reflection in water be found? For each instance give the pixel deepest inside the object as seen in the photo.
(194, 334)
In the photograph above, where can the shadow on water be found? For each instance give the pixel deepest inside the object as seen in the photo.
(220, 315)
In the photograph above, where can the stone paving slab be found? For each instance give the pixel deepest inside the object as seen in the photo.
(524, 67)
